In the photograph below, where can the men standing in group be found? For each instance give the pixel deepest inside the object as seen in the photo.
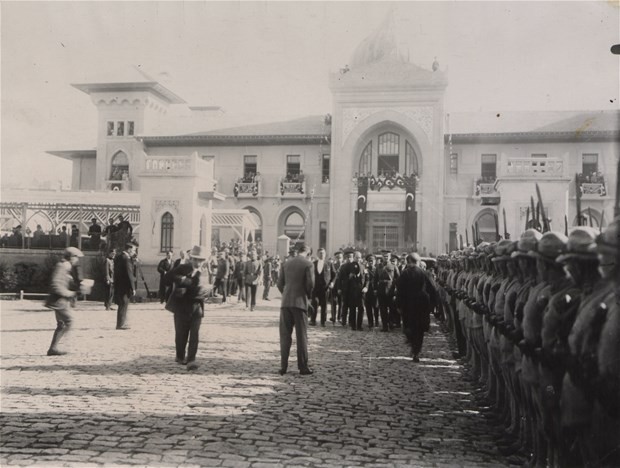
(124, 283)
(164, 266)
(252, 271)
(296, 283)
(109, 279)
(323, 275)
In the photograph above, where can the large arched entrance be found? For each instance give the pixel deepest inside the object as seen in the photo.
(292, 223)
(256, 217)
(386, 170)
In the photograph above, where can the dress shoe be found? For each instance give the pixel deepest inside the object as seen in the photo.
(322, 324)
(252, 309)
(306, 372)
(281, 371)
(123, 328)
(385, 330)
(266, 299)
(55, 352)
(192, 366)
(180, 361)
(416, 358)
(313, 323)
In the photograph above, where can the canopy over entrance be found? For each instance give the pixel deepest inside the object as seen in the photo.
(241, 222)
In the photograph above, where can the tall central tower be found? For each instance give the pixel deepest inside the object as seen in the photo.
(387, 127)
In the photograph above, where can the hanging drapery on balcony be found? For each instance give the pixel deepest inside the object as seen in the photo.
(411, 215)
(361, 213)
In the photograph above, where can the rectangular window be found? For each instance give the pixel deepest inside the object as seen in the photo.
(110, 130)
(325, 169)
(454, 163)
(323, 234)
(130, 128)
(488, 167)
(539, 155)
(293, 165)
(387, 165)
(250, 166)
(120, 128)
(589, 164)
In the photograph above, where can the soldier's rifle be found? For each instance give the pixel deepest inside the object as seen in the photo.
(466, 237)
(496, 219)
(473, 235)
(589, 216)
(461, 241)
(533, 207)
(617, 205)
(578, 199)
(506, 235)
(546, 227)
(565, 225)
(527, 218)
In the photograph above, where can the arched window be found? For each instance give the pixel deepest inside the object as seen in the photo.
(366, 160)
(294, 226)
(388, 153)
(120, 167)
(167, 231)
(411, 160)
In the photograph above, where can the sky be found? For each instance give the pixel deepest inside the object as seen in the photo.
(268, 61)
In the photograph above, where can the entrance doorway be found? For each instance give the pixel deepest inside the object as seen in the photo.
(386, 230)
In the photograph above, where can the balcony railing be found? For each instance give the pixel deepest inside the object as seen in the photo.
(117, 185)
(597, 189)
(246, 189)
(292, 189)
(387, 181)
(486, 191)
(534, 168)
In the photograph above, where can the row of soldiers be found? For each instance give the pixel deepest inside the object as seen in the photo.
(538, 322)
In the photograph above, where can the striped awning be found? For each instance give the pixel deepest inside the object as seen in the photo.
(234, 218)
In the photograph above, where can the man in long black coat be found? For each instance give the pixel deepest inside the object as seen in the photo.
(414, 299)
(124, 284)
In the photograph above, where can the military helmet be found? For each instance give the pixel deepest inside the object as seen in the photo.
(501, 250)
(527, 242)
(581, 240)
(550, 246)
(607, 242)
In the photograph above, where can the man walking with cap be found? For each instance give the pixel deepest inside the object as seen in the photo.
(63, 289)
(124, 283)
(186, 302)
(295, 282)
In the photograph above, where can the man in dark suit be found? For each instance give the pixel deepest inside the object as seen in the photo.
(252, 271)
(187, 303)
(323, 275)
(164, 266)
(295, 282)
(370, 292)
(336, 299)
(124, 284)
(221, 275)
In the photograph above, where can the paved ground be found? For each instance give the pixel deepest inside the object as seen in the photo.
(120, 399)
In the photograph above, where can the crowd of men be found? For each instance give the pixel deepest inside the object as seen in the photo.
(538, 322)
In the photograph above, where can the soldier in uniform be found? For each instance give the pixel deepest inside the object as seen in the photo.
(386, 280)
(370, 292)
(336, 298)
(550, 246)
(351, 279)
(579, 265)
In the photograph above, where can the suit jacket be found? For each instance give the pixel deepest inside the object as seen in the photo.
(252, 270)
(295, 282)
(124, 279)
(189, 293)
(223, 268)
(326, 276)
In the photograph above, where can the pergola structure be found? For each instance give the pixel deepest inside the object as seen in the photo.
(240, 221)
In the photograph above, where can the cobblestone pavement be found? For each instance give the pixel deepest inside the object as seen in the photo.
(119, 398)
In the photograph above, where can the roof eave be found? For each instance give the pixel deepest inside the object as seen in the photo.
(72, 154)
(234, 140)
(515, 137)
(152, 86)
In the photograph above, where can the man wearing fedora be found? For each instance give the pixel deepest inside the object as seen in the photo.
(296, 282)
(186, 302)
(124, 284)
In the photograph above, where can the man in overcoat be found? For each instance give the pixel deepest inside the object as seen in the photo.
(124, 284)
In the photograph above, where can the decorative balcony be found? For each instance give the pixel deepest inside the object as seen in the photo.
(293, 187)
(534, 168)
(117, 185)
(245, 189)
(485, 189)
(394, 181)
(592, 186)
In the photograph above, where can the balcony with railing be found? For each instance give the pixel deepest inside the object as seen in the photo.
(246, 188)
(387, 181)
(485, 189)
(534, 168)
(293, 186)
(592, 186)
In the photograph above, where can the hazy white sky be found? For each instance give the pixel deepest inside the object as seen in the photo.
(264, 61)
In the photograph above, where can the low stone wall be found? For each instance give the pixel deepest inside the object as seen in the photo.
(38, 257)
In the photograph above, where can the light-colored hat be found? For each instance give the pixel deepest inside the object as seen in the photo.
(198, 252)
(72, 252)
